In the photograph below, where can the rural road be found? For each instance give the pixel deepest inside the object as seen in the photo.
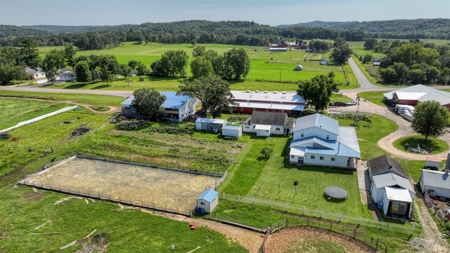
(69, 91)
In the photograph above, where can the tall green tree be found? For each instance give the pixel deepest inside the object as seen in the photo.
(82, 71)
(105, 75)
(174, 62)
(147, 101)
(430, 119)
(236, 64)
(198, 51)
(318, 90)
(201, 67)
(141, 69)
(69, 55)
(51, 76)
(29, 53)
(125, 70)
(54, 60)
(133, 64)
(8, 73)
(341, 51)
(213, 93)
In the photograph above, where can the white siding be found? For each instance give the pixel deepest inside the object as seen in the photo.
(232, 133)
(339, 161)
(385, 202)
(315, 131)
(274, 130)
(262, 133)
(187, 109)
(208, 206)
(437, 191)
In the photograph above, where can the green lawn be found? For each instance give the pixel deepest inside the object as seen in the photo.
(16, 110)
(375, 97)
(100, 100)
(31, 222)
(269, 71)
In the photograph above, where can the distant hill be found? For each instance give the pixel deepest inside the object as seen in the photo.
(58, 29)
(438, 28)
(17, 31)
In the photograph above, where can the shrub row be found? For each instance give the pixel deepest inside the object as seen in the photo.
(171, 130)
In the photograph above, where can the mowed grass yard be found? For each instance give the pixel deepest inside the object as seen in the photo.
(265, 66)
(33, 222)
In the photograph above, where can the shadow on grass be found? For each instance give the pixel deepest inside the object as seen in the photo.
(76, 86)
(332, 200)
(430, 145)
(102, 86)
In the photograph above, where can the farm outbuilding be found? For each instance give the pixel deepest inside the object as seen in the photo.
(207, 201)
(208, 124)
(433, 162)
(267, 123)
(436, 182)
(298, 68)
(232, 131)
(175, 107)
(415, 94)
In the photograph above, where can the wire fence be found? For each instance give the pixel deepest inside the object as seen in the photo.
(320, 214)
(94, 195)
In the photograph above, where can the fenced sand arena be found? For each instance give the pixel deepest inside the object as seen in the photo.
(153, 187)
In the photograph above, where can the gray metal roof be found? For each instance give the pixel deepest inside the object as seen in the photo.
(438, 179)
(347, 136)
(391, 179)
(385, 164)
(317, 120)
(268, 118)
(172, 100)
(420, 93)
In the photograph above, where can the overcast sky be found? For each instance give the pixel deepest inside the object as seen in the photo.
(270, 12)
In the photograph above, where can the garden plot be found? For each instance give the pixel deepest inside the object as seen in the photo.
(153, 187)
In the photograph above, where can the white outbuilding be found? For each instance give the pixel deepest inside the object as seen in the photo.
(207, 201)
(208, 124)
(437, 183)
(232, 131)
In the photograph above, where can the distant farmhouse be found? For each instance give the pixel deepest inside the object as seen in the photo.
(35, 74)
(65, 74)
(176, 107)
(268, 123)
(418, 93)
(247, 102)
(376, 61)
(391, 189)
(319, 140)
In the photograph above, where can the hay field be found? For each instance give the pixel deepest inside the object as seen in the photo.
(171, 190)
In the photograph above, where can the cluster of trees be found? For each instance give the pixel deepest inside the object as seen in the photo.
(416, 62)
(193, 31)
(234, 64)
(341, 51)
(14, 60)
(212, 91)
(393, 29)
(320, 45)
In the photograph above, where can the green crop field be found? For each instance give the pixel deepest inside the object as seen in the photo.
(269, 71)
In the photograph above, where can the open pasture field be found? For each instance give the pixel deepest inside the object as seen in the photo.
(45, 221)
(265, 66)
(16, 110)
(164, 189)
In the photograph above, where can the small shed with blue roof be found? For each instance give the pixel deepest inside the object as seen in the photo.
(175, 107)
(207, 201)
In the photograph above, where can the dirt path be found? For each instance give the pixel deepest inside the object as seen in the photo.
(112, 109)
(431, 239)
(248, 239)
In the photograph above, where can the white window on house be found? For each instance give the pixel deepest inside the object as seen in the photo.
(202, 203)
(267, 131)
(254, 127)
(246, 127)
(328, 137)
(333, 159)
(321, 158)
(313, 157)
(292, 156)
(278, 129)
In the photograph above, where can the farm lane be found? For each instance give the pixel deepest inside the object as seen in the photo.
(70, 91)
(365, 84)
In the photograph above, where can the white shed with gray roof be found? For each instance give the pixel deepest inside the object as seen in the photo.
(437, 182)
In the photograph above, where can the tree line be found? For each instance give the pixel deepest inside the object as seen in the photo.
(412, 62)
(438, 28)
(194, 31)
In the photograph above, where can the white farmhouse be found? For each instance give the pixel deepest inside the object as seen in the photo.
(391, 189)
(268, 123)
(319, 140)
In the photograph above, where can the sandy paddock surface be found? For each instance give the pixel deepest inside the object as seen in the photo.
(162, 188)
(297, 240)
